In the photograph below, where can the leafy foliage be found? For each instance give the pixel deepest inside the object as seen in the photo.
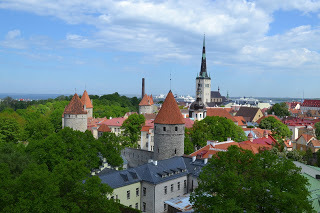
(132, 126)
(279, 109)
(215, 128)
(279, 130)
(238, 181)
(317, 128)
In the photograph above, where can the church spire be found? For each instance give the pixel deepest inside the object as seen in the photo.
(203, 70)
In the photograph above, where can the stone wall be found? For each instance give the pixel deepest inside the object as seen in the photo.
(168, 141)
(145, 109)
(76, 122)
(136, 157)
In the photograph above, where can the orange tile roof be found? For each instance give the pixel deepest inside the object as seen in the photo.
(146, 100)
(169, 112)
(114, 121)
(221, 112)
(315, 143)
(287, 144)
(75, 106)
(85, 100)
(145, 128)
(104, 128)
(240, 119)
(306, 137)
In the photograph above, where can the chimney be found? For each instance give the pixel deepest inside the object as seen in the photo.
(205, 161)
(142, 94)
(289, 143)
(155, 163)
(194, 158)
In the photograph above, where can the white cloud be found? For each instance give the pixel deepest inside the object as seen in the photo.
(13, 34)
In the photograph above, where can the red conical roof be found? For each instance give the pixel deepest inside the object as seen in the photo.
(104, 128)
(169, 112)
(146, 100)
(85, 100)
(75, 106)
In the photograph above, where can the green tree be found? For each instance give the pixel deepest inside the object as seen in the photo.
(132, 127)
(215, 128)
(279, 109)
(308, 157)
(317, 128)
(188, 145)
(110, 148)
(11, 126)
(239, 181)
(278, 129)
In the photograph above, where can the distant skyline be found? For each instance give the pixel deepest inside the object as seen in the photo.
(262, 48)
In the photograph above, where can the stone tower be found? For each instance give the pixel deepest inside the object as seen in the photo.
(87, 104)
(203, 81)
(146, 104)
(74, 116)
(169, 128)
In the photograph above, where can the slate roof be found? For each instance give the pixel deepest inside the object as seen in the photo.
(215, 94)
(121, 178)
(248, 112)
(85, 100)
(169, 112)
(75, 106)
(194, 168)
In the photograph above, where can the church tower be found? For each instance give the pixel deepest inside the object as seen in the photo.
(197, 109)
(87, 104)
(203, 81)
(74, 116)
(169, 128)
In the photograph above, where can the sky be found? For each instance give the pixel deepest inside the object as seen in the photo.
(262, 48)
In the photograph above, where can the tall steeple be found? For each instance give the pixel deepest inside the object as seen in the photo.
(203, 70)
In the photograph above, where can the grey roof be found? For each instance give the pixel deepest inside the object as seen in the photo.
(120, 178)
(194, 168)
(248, 113)
(165, 170)
(215, 94)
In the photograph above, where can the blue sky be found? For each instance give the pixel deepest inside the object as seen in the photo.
(254, 48)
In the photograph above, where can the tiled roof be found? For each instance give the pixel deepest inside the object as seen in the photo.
(149, 124)
(241, 121)
(210, 149)
(104, 128)
(311, 103)
(114, 121)
(215, 94)
(85, 100)
(248, 112)
(221, 112)
(263, 117)
(145, 129)
(75, 106)
(188, 122)
(149, 116)
(146, 100)
(169, 112)
(286, 143)
(306, 137)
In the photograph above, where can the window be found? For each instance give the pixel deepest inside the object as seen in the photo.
(165, 207)
(165, 190)
(158, 150)
(185, 183)
(164, 128)
(137, 205)
(175, 151)
(112, 197)
(144, 207)
(178, 185)
(128, 195)
(199, 115)
(137, 192)
(171, 187)
(144, 190)
(176, 128)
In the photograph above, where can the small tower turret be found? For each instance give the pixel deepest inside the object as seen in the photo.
(74, 116)
(146, 104)
(87, 104)
(169, 128)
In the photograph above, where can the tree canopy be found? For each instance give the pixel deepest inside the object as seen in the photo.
(279, 109)
(239, 181)
(215, 128)
(132, 126)
(317, 130)
(278, 128)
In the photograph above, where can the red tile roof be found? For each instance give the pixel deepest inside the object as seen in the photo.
(75, 106)
(146, 100)
(315, 143)
(287, 144)
(311, 103)
(221, 112)
(85, 100)
(306, 137)
(169, 112)
(241, 121)
(104, 128)
(189, 123)
(114, 121)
